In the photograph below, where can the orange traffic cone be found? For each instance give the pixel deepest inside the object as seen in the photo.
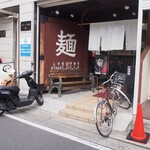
(138, 134)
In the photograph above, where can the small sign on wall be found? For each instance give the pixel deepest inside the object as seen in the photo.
(25, 25)
(25, 47)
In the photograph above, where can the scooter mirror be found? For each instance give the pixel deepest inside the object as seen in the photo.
(32, 63)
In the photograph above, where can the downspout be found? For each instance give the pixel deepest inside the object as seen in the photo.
(37, 45)
(18, 43)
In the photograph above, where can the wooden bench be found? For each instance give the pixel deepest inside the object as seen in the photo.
(67, 80)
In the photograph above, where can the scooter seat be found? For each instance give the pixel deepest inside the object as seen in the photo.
(12, 88)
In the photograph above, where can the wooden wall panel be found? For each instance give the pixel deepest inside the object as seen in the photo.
(53, 28)
(42, 51)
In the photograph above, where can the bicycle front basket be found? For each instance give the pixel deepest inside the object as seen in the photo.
(120, 79)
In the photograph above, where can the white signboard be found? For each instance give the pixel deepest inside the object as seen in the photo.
(6, 71)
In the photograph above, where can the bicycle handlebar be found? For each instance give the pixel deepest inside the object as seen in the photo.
(112, 75)
(109, 80)
(112, 81)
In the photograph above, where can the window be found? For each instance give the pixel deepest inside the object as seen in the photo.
(2, 33)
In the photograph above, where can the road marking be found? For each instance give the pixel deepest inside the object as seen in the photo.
(79, 140)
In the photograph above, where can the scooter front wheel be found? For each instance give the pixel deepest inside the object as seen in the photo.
(40, 99)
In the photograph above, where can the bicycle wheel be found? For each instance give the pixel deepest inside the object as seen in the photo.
(119, 98)
(103, 118)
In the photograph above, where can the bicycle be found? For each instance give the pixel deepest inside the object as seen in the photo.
(105, 110)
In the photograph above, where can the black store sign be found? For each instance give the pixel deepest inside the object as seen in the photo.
(26, 26)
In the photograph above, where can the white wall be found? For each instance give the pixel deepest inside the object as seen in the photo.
(6, 43)
(145, 78)
(10, 3)
(145, 89)
(145, 4)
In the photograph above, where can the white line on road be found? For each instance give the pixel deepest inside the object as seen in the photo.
(85, 142)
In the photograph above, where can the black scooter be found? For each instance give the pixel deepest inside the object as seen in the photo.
(10, 98)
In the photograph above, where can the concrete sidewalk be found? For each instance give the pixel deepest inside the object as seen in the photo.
(48, 115)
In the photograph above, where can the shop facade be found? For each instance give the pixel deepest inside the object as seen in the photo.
(38, 36)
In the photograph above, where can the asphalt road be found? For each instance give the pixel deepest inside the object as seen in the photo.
(15, 135)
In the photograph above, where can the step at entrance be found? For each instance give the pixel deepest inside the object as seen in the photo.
(82, 109)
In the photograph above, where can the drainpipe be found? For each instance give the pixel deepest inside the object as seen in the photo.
(37, 45)
(18, 50)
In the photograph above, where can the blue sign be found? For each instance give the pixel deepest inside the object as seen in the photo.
(25, 47)
(25, 50)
